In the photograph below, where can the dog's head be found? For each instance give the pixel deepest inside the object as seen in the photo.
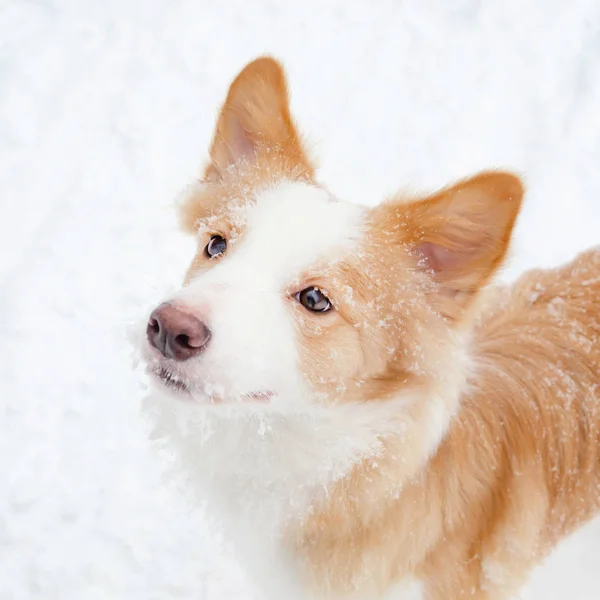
(295, 296)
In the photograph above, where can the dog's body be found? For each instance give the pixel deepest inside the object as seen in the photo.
(367, 417)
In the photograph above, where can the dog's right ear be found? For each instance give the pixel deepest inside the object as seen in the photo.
(254, 121)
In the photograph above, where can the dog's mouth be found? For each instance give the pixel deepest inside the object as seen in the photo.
(171, 381)
(165, 379)
(183, 389)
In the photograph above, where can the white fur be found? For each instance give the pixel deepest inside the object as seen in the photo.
(410, 589)
(261, 467)
(242, 298)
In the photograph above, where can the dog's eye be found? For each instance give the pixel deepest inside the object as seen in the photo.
(314, 300)
(216, 246)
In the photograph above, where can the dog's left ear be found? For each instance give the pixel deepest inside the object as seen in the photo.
(255, 121)
(459, 235)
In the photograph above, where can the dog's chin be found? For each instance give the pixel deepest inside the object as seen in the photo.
(181, 389)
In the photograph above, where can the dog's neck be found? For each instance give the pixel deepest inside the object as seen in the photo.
(263, 459)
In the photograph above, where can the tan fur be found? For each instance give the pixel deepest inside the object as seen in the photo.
(519, 465)
(518, 469)
(255, 143)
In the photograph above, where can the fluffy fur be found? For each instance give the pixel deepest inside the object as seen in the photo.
(431, 436)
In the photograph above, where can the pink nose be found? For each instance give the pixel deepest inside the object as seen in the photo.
(176, 333)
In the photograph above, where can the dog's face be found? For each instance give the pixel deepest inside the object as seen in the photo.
(294, 296)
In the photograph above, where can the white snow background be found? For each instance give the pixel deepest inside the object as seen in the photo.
(106, 110)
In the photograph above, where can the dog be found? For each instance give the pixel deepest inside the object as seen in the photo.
(367, 414)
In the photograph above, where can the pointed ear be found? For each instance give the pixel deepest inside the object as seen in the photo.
(254, 120)
(462, 233)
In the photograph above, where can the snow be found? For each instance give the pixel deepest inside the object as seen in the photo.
(106, 109)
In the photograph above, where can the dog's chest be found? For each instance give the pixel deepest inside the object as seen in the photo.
(261, 473)
(258, 512)
(258, 493)
(278, 572)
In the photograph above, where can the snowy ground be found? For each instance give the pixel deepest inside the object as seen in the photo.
(106, 109)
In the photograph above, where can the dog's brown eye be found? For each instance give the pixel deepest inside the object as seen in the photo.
(216, 246)
(314, 300)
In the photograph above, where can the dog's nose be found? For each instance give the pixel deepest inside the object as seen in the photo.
(176, 333)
